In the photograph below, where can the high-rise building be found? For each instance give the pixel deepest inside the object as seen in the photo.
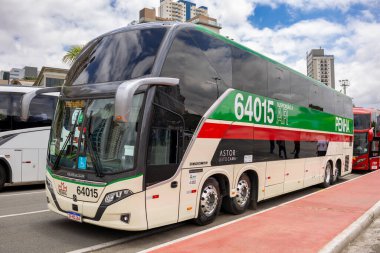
(30, 72)
(321, 67)
(181, 10)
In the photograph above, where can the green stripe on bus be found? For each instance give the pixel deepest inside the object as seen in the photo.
(250, 108)
(89, 184)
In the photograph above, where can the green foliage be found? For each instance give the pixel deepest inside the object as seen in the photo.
(72, 54)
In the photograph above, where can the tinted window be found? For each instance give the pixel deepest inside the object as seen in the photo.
(328, 100)
(9, 110)
(347, 107)
(299, 88)
(198, 88)
(52, 82)
(362, 121)
(315, 101)
(339, 107)
(278, 83)
(116, 57)
(218, 53)
(249, 72)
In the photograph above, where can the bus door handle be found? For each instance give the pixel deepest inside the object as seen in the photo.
(174, 184)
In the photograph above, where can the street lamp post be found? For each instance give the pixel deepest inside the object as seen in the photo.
(344, 84)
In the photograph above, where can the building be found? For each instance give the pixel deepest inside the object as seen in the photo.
(30, 72)
(16, 74)
(181, 11)
(4, 75)
(51, 77)
(321, 67)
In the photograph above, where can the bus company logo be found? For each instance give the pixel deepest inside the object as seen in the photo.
(342, 125)
(227, 155)
(62, 188)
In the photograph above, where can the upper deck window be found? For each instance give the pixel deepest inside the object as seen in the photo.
(362, 121)
(117, 57)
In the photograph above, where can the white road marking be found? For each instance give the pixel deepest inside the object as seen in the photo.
(20, 214)
(18, 194)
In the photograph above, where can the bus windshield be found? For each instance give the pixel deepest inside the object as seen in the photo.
(360, 144)
(85, 136)
(362, 121)
(117, 57)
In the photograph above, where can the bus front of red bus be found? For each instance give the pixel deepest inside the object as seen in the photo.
(362, 124)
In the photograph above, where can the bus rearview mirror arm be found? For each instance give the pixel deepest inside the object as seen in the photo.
(28, 97)
(126, 90)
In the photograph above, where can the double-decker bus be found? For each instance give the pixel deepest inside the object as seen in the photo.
(23, 143)
(366, 139)
(164, 122)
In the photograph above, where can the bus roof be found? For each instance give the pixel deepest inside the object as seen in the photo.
(18, 89)
(362, 110)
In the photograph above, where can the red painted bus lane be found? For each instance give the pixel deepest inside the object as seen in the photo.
(304, 225)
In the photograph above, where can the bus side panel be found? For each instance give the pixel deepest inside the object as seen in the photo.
(294, 175)
(41, 163)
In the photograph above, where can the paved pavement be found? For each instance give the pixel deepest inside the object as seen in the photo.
(305, 225)
(368, 241)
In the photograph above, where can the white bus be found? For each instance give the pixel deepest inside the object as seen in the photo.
(23, 144)
(166, 122)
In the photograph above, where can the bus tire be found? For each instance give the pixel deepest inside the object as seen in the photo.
(327, 178)
(239, 204)
(335, 174)
(3, 177)
(209, 202)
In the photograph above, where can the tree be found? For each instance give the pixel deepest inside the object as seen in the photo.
(72, 54)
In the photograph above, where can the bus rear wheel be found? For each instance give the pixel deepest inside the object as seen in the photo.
(327, 179)
(209, 203)
(239, 203)
(3, 176)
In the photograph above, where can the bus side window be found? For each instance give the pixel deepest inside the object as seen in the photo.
(5, 119)
(165, 145)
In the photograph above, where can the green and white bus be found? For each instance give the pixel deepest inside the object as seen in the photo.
(164, 122)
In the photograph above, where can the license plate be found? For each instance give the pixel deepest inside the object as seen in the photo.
(74, 216)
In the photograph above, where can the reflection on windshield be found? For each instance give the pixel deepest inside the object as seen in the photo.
(112, 143)
(360, 144)
(362, 121)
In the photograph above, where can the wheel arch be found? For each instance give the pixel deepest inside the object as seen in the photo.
(5, 164)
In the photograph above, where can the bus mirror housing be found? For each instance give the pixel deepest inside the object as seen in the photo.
(28, 97)
(125, 92)
(370, 135)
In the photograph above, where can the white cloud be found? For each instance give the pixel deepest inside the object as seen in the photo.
(35, 32)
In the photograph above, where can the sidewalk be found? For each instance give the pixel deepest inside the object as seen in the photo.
(305, 225)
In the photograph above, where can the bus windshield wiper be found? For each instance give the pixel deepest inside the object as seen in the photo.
(93, 153)
(68, 138)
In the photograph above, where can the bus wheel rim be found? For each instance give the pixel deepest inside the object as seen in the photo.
(209, 200)
(243, 192)
(328, 173)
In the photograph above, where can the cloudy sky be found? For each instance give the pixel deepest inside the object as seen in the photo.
(36, 33)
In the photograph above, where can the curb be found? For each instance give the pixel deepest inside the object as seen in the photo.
(350, 233)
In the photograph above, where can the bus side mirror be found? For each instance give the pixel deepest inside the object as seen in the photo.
(370, 135)
(28, 97)
(126, 90)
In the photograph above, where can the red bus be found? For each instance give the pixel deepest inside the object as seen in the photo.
(366, 139)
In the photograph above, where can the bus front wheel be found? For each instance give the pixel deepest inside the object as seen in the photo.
(209, 203)
(239, 203)
(3, 176)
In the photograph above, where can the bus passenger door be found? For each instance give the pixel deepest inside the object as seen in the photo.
(162, 178)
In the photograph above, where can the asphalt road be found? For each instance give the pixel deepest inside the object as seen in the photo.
(27, 226)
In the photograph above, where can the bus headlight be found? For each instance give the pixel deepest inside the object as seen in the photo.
(360, 160)
(116, 196)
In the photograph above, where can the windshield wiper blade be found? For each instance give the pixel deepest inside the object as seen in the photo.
(68, 138)
(93, 153)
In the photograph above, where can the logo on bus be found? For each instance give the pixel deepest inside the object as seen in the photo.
(342, 125)
(62, 188)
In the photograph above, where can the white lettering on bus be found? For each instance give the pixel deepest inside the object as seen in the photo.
(342, 125)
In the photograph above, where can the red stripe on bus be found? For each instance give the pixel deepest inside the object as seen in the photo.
(224, 131)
